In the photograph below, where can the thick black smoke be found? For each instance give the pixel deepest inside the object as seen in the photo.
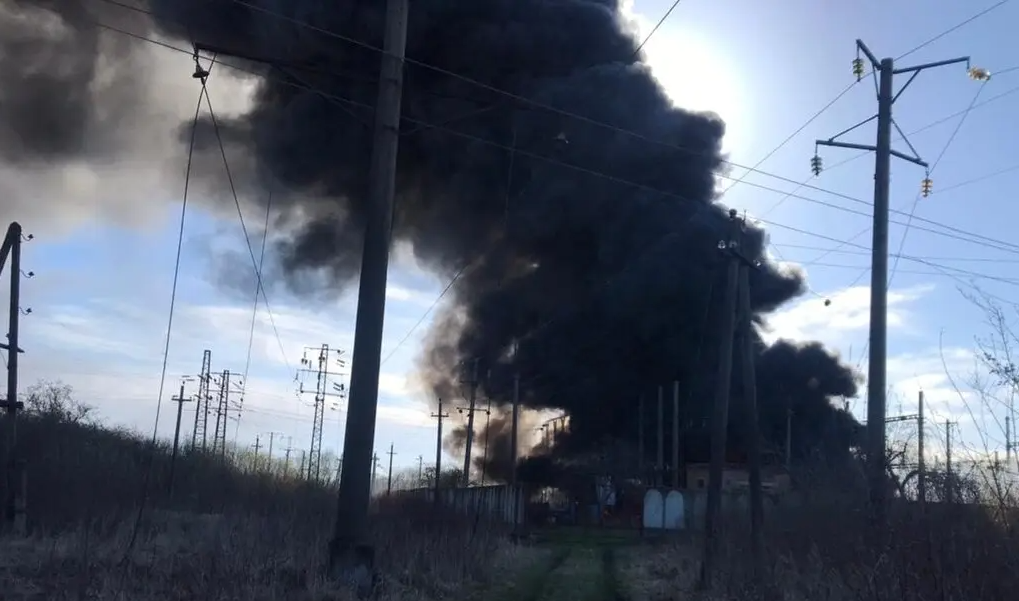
(593, 250)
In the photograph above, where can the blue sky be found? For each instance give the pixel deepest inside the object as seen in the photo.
(100, 296)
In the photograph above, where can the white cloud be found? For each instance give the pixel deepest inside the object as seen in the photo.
(415, 415)
(931, 371)
(843, 319)
(129, 188)
(408, 295)
(399, 384)
(111, 354)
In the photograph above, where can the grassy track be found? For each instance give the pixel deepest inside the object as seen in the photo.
(581, 566)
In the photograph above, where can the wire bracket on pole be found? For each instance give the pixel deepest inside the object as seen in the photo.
(975, 73)
(201, 73)
(884, 71)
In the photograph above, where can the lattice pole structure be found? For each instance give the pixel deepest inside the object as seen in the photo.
(323, 390)
(315, 464)
(219, 434)
(202, 406)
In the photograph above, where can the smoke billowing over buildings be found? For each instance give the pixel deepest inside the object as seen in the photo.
(588, 255)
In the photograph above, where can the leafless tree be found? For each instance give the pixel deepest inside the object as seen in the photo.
(54, 400)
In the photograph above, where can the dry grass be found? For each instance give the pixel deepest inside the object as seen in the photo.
(818, 552)
(223, 534)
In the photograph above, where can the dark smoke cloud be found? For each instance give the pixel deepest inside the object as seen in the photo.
(542, 239)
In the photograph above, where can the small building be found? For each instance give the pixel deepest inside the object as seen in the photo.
(736, 477)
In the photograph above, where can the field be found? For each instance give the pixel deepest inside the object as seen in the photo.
(233, 532)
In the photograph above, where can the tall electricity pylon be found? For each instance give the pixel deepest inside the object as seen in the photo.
(201, 428)
(323, 389)
(884, 72)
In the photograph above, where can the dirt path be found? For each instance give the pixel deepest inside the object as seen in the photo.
(576, 569)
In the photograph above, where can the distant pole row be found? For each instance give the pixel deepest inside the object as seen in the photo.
(227, 383)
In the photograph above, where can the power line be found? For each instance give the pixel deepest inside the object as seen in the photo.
(934, 165)
(850, 86)
(147, 477)
(930, 125)
(202, 94)
(867, 253)
(254, 317)
(953, 273)
(619, 180)
(660, 22)
(467, 79)
(790, 137)
(911, 216)
(511, 95)
(953, 28)
(435, 303)
(944, 268)
(244, 228)
(342, 100)
(846, 243)
(981, 178)
(312, 27)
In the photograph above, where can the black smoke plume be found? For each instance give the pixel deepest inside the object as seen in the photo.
(589, 256)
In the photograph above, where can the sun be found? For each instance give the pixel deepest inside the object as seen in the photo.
(696, 74)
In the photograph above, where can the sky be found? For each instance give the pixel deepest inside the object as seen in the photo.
(99, 314)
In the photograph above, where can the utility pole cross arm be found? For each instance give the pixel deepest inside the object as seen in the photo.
(884, 71)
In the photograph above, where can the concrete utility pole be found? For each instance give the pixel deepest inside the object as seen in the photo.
(438, 454)
(885, 71)
(180, 399)
(421, 469)
(736, 299)
(349, 548)
(286, 456)
(323, 390)
(921, 472)
(349, 552)
(222, 401)
(746, 331)
(14, 471)
(514, 449)
(484, 457)
(675, 434)
(470, 422)
(660, 456)
(788, 432)
(640, 438)
(389, 477)
(202, 405)
(949, 488)
(272, 439)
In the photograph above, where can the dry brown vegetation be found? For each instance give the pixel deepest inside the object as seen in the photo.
(819, 552)
(967, 550)
(225, 533)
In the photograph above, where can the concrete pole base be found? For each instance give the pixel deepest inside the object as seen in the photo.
(15, 507)
(353, 565)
